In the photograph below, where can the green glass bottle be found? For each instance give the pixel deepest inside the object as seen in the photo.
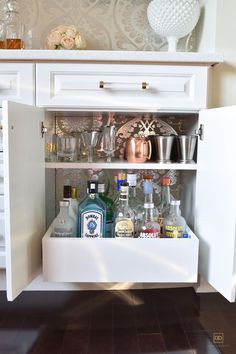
(109, 208)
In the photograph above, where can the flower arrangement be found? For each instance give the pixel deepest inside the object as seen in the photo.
(65, 37)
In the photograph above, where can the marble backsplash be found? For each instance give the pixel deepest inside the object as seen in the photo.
(106, 24)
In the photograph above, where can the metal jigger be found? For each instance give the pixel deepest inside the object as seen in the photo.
(109, 133)
(90, 140)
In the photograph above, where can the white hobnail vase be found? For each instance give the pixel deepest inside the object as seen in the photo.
(173, 19)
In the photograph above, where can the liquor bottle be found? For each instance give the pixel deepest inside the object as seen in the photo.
(13, 26)
(134, 201)
(149, 227)
(109, 208)
(63, 224)
(74, 200)
(149, 179)
(67, 196)
(164, 206)
(174, 225)
(121, 178)
(92, 214)
(124, 215)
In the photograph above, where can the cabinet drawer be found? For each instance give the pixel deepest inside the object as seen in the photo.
(122, 86)
(17, 82)
(120, 260)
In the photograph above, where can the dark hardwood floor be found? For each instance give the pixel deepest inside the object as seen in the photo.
(176, 321)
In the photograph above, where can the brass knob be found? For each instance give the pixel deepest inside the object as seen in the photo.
(144, 85)
(101, 84)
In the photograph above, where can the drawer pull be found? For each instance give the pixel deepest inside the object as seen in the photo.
(144, 84)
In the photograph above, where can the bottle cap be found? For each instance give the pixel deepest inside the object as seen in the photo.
(74, 194)
(67, 191)
(147, 177)
(175, 202)
(165, 181)
(121, 176)
(147, 187)
(132, 179)
(64, 203)
(92, 186)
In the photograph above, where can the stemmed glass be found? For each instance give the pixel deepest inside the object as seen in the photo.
(109, 133)
(90, 139)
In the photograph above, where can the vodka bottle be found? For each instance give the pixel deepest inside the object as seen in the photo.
(164, 206)
(134, 201)
(174, 225)
(109, 208)
(149, 227)
(124, 215)
(92, 214)
(63, 224)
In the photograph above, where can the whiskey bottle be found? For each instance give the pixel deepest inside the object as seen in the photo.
(63, 224)
(124, 215)
(149, 227)
(174, 225)
(92, 214)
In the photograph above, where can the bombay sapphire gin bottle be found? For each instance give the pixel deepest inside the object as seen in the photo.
(92, 214)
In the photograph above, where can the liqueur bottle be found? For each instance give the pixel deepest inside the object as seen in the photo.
(124, 215)
(92, 214)
(174, 225)
(164, 206)
(109, 208)
(63, 224)
(149, 227)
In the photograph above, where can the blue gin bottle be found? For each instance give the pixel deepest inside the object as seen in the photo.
(92, 214)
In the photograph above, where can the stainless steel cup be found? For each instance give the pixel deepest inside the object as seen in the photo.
(162, 147)
(186, 148)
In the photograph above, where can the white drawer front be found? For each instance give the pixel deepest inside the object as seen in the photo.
(120, 260)
(17, 82)
(121, 86)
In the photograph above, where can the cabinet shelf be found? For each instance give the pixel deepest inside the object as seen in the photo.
(121, 165)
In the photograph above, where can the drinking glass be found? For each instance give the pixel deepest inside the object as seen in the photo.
(67, 148)
(109, 133)
(90, 139)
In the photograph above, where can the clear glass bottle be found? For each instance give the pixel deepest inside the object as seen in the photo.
(109, 208)
(92, 214)
(134, 202)
(164, 206)
(174, 225)
(2, 35)
(14, 27)
(124, 215)
(67, 196)
(63, 224)
(149, 227)
(121, 178)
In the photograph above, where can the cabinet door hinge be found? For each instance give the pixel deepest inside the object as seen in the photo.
(200, 132)
(43, 129)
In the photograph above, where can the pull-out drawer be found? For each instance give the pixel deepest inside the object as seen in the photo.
(120, 260)
(17, 82)
(122, 86)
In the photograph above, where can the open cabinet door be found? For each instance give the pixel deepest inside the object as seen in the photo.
(24, 190)
(216, 199)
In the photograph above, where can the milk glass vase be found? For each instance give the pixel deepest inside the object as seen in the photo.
(173, 19)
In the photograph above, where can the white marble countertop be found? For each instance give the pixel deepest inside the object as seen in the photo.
(38, 55)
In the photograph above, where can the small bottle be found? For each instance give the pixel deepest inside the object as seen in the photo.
(63, 224)
(164, 206)
(109, 208)
(174, 225)
(92, 214)
(134, 202)
(149, 227)
(124, 215)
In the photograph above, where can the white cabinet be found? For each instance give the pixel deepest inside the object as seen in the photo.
(17, 82)
(85, 260)
(122, 86)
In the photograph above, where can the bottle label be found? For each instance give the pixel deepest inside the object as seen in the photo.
(60, 232)
(149, 233)
(91, 224)
(173, 231)
(124, 228)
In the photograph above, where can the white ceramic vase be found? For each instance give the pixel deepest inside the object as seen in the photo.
(173, 19)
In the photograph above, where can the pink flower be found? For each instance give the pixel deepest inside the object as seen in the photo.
(53, 40)
(67, 42)
(65, 37)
